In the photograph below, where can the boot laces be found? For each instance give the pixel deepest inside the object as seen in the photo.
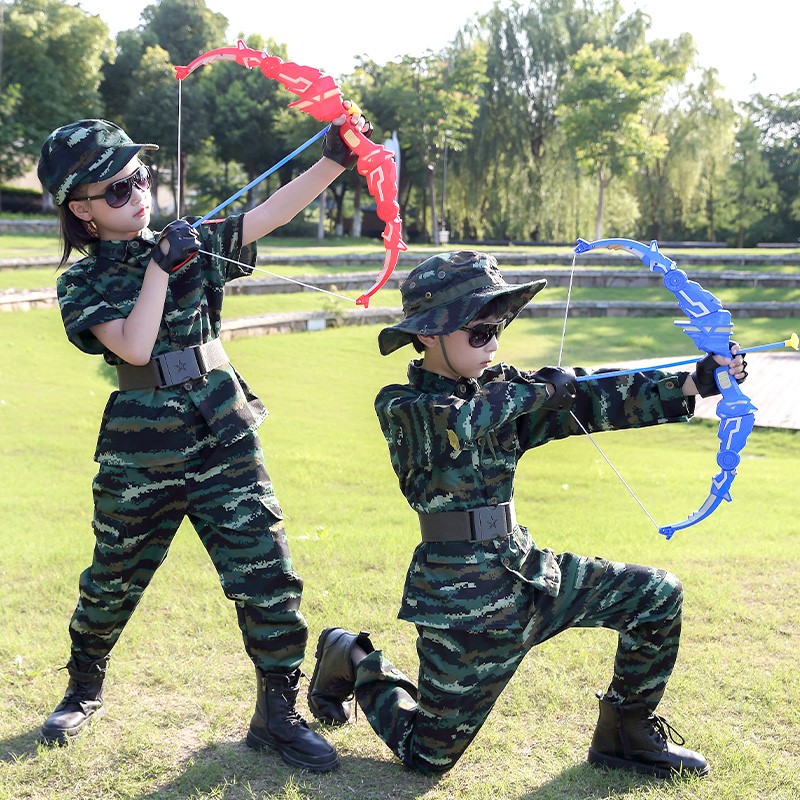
(293, 717)
(290, 713)
(80, 695)
(666, 730)
(79, 692)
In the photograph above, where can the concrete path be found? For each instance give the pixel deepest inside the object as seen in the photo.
(773, 384)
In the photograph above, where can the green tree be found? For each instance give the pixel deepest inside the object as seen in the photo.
(601, 113)
(184, 28)
(750, 190)
(13, 160)
(151, 114)
(668, 179)
(678, 189)
(140, 90)
(423, 98)
(504, 171)
(712, 128)
(517, 177)
(778, 120)
(245, 113)
(52, 53)
(119, 72)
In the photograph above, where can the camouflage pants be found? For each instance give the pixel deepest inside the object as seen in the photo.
(228, 497)
(461, 673)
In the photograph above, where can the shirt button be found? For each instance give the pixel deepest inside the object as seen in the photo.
(670, 384)
(187, 386)
(493, 501)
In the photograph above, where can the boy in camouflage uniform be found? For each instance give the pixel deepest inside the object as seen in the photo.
(479, 590)
(179, 438)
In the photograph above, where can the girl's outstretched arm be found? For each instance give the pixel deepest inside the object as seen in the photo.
(289, 200)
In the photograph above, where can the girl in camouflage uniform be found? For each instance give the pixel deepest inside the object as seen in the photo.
(179, 438)
(479, 590)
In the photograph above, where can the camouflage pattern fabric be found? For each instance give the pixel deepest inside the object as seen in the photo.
(86, 151)
(455, 445)
(228, 497)
(153, 427)
(462, 673)
(448, 290)
(186, 450)
(480, 606)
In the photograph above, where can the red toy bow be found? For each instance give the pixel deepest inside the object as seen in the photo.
(320, 97)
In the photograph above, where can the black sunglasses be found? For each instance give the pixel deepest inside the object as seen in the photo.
(119, 192)
(480, 335)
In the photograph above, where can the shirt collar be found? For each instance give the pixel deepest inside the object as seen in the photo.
(433, 383)
(127, 250)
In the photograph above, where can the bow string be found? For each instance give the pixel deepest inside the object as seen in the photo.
(321, 98)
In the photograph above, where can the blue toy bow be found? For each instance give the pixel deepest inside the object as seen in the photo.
(710, 328)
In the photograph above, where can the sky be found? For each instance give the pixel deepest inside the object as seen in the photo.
(753, 47)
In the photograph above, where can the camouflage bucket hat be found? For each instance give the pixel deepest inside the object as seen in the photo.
(86, 151)
(448, 291)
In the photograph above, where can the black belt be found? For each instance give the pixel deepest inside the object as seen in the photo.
(174, 367)
(476, 525)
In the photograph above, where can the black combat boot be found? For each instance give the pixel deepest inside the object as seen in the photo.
(82, 701)
(277, 725)
(330, 692)
(633, 737)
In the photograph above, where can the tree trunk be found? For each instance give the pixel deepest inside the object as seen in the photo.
(323, 202)
(655, 230)
(434, 218)
(712, 219)
(155, 178)
(338, 200)
(601, 199)
(357, 211)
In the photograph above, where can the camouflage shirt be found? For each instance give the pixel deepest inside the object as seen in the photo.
(455, 445)
(150, 427)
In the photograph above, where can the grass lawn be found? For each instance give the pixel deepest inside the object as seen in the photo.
(180, 689)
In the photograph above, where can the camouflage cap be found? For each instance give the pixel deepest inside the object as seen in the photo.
(86, 151)
(448, 291)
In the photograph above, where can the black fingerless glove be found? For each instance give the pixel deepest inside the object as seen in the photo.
(564, 386)
(703, 375)
(334, 147)
(182, 244)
